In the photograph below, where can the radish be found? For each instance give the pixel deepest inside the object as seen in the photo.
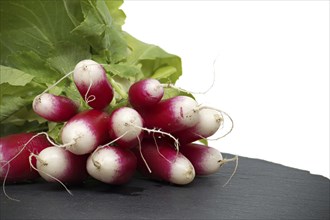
(164, 162)
(126, 123)
(14, 156)
(145, 93)
(113, 165)
(171, 115)
(208, 124)
(92, 84)
(56, 164)
(206, 160)
(85, 131)
(54, 108)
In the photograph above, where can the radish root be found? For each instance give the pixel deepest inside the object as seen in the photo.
(43, 162)
(224, 161)
(4, 183)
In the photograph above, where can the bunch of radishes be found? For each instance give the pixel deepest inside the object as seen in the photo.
(150, 134)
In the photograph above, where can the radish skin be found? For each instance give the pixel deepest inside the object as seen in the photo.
(128, 123)
(55, 163)
(206, 160)
(54, 108)
(171, 115)
(112, 165)
(85, 131)
(164, 162)
(145, 93)
(12, 149)
(208, 124)
(92, 83)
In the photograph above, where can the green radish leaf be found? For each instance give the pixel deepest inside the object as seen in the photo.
(164, 72)
(10, 105)
(41, 41)
(101, 31)
(204, 141)
(14, 77)
(152, 57)
(54, 130)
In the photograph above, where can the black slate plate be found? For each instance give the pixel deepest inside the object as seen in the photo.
(259, 190)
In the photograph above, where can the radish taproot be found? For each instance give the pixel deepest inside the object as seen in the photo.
(85, 131)
(171, 115)
(54, 108)
(112, 165)
(92, 83)
(145, 93)
(126, 123)
(159, 160)
(14, 156)
(56, 164)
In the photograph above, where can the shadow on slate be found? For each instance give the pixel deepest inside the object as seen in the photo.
(259, 190)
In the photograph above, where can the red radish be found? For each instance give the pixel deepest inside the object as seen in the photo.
(127, 124)
(113, 165)
(206, 160)
(171, 115)
(164, 162)
(54, 108)
(92, 83)
(145, 93)
(209, 122)
(85, 131)
(56, 164)
(15, 150)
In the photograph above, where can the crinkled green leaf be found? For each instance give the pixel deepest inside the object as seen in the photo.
(118, 14)
(14, 77)
(101, 31)
(164, 72)
(29, 90)
(26, 113)
(46, 39)
(10, 105)
(31, 63)
(54, 130)
(172, 92)
(123, 70)
(151, 58)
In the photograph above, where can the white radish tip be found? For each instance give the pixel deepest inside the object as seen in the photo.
(131, 124)
(87, 71)
(182, 171)
(80, 134)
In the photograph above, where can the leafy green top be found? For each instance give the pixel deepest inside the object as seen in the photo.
(40, 41)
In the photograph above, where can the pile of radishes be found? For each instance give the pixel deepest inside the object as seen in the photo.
(153, 135)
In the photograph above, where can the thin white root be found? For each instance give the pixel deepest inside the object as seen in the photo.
(222, 114)
(176, 141)
(157, 147)
(169, 85)
(224, 161)
(36, 169)
(104, 145)
(90, 98)
(58, 81)
(4, 183)
(67, 145)
(144, 160)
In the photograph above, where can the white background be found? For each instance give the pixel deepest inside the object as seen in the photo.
(271, 70)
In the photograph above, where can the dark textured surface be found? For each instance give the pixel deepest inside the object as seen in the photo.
(259, 190)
